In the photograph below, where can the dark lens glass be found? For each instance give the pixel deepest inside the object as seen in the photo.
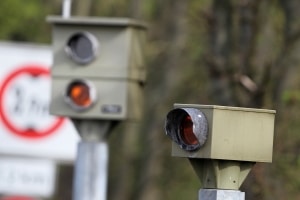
(186, 131)
(81, 48)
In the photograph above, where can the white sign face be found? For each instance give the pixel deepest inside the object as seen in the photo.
(26, 128)
(27, 177)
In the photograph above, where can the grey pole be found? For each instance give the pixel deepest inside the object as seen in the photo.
(91, 171)
(66, 8)
(215, 194)
(90, 176)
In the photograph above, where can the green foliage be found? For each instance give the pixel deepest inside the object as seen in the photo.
(24, 20)
(180, 179)
(291, 97)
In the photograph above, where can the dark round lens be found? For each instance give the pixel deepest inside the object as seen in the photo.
(81, 48)
(186, 131)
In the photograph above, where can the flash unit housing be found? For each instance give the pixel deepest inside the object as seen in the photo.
(188, 127)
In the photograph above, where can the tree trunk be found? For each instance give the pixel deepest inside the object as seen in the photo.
(168, 68)
(82, 7)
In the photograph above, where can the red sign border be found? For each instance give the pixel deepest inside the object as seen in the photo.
(16, 198)
(34, 70)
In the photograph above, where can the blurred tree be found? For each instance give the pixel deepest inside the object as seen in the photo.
(24, 20)
(169, 34)
(82, 8)
(244, 67)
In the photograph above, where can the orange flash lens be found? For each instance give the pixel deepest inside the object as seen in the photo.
(187, 133)
(80, 94)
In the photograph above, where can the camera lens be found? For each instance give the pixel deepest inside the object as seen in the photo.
(82, 47)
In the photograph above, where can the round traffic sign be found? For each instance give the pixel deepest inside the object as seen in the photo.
(23, 104)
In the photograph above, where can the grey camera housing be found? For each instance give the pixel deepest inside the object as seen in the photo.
(234, 133)
(236, 139)
(115, 69)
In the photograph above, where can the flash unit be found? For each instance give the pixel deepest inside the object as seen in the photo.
(80, 95)
(82, 47)
(188, 127)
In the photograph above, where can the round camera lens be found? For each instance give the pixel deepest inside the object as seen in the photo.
(82, 47)
(188, 127)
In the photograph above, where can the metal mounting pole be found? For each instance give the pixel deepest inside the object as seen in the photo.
(215, 194)
(90, 180)
(66, 8)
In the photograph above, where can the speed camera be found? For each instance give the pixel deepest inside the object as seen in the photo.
(98, 67)
(222, 143)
